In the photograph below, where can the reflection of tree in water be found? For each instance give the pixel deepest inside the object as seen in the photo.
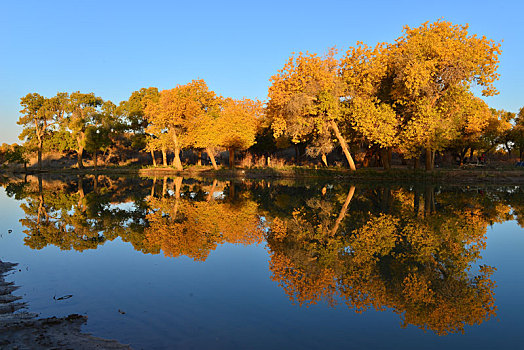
(193, 223)
(393, 250)
(77, 214)
(415, 250)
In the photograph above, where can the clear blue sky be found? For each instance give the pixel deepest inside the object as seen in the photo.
(113, 48)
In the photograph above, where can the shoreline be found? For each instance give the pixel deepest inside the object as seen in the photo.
(24, 330)
(457, 175)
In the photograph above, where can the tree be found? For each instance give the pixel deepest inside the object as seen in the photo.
(176, 110)
(305, 100)
(517, 133)
(369, 109)
(498, 126)
(472, 121)
(429, 66)
(82, 109)
(36, 120)
(14, 153)
(133, 111)
(237, 125)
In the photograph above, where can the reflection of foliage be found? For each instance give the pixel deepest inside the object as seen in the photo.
(416, 251)
(75, 216)
(389, 255)
(183, 226)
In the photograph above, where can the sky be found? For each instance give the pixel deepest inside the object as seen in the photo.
(113, 48)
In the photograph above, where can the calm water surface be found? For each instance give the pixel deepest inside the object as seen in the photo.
(185, 263)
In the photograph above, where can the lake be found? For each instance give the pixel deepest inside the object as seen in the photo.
(256, 264)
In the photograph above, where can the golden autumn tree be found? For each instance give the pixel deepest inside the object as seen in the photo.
(498, 126)
(237, 125)
(203, 129)
(472, 120)
(305, 100)
(176, 110)
(369, 107)
(430, 65)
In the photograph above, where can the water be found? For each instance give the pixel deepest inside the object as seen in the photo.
(185, 263)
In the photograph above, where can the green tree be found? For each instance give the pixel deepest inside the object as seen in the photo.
(517, 133)
(36, 120)
(82, 109)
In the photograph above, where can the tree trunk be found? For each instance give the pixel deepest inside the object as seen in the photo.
(178, 186)
(344, 145)
(384, 157)
(95, 184)
(324, 159)
(80, 155)
(430, 159)
(153, 157)
(199, 160)
(416, 163)
(232, 192)
(40, 185)
(386, 201)
(416, 201)
(429, 200)
(95, 159)
(212, 190)
(343, 211)
(508, 149)
(164, 187)
(164, 156)
(176, 161)
(462, 155)
(40, 146)
(297, 155)
(81, 193)
(212, 157)
(153, 188)
(231, 158)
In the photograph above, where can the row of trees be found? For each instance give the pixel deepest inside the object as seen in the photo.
(414, 96)
(170, 120)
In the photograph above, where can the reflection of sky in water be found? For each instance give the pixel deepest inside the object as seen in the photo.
(229, 301)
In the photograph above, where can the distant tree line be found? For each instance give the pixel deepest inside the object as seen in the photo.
(412, 97)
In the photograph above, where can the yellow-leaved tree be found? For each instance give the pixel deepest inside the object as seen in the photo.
(237, 125)
(369, 107)
(175, 112)
(430, 67)
(305, 101)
